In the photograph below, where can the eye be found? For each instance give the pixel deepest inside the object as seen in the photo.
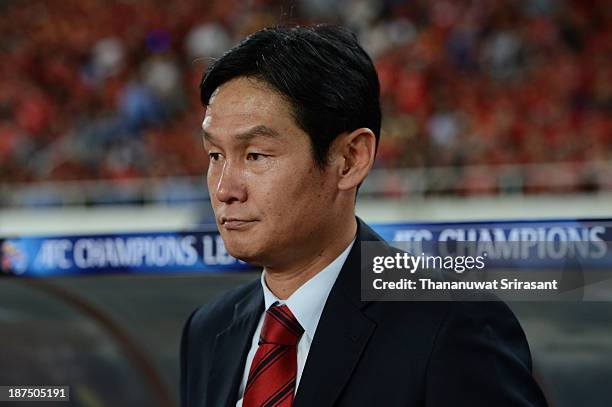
(255, 156)
(214, 156)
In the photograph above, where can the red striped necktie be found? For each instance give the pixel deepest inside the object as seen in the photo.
(272, 377)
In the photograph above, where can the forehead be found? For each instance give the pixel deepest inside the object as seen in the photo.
(242, 103)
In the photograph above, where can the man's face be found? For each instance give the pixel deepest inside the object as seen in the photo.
(271, 201)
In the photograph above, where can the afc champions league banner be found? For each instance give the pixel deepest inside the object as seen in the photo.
(204, 252)
(118, 253)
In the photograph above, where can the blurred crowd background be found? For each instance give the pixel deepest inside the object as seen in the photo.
(481, 90)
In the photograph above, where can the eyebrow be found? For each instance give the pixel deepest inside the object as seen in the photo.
(253, 132)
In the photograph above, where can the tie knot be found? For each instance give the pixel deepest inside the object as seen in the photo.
(280, 327)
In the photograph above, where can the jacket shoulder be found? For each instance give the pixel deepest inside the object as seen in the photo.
(214, 316)
(198, 339)
(487, 349)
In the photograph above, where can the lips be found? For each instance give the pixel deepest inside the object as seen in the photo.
(236, 223)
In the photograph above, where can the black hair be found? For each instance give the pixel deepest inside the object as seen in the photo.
(328, 79)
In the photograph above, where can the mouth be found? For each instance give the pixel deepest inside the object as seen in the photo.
(236, 223)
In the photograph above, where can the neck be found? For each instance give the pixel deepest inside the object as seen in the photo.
(284, 281)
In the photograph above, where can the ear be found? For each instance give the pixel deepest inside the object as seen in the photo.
(355, 152)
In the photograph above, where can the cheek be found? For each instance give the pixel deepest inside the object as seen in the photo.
(212, 178)
(215, 202)
(274, 196)
(301, 195)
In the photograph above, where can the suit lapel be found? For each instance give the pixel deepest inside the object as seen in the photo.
(341, 337)
(342, 334)
(230, 351)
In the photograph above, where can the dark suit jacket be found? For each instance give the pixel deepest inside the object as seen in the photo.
(369, 353)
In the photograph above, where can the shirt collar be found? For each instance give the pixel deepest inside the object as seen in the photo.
(307, 302)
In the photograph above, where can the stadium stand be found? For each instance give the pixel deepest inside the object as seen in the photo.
(475, 90)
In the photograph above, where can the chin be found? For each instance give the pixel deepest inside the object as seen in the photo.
(242, 251)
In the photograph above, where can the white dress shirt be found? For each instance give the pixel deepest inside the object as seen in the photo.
(306, 304)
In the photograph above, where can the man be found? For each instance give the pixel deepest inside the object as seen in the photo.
(291, 129)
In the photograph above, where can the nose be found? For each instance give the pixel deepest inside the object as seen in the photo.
(229, 185)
